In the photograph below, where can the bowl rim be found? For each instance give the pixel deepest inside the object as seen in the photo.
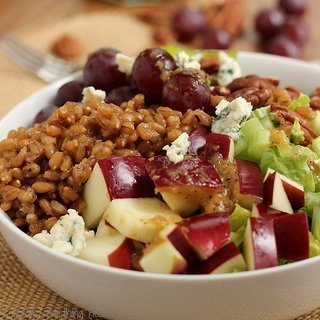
(9, 225)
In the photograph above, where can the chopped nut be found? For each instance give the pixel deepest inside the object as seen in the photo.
(67, 47)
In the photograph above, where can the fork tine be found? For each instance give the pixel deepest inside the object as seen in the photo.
(20, 59)
(26, 52)
(46, 67)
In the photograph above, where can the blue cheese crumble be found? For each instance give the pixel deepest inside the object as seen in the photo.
(125, 63)
(229, 69)
(231, 116)
(178, 148)
(68, 235)
(185, 61)
(92, 95)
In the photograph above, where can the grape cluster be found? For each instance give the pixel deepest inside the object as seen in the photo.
(282, 29)
(154, 73)
(188, 23)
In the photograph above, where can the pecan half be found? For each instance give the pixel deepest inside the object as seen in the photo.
(251, 81)
(67, 47)
(257, 97)
(286, 116)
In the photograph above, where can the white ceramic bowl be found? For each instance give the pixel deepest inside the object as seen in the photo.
(276, 293)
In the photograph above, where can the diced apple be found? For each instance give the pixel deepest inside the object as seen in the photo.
(293, 189)
(292, 236)
(226, 260)
(259, 210)
(206, 233)
(105, 229)
(115, 178)
(140, 219)
(259, 244)
(249, 183)
(113, 250)
(219, 143)
(274, 195)
(184, 185)
(161, 256)
(197, 140)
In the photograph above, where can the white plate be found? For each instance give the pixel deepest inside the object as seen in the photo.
(275, 293)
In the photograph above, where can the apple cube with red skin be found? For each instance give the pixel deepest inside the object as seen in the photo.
(292, 236)
(219, 143)
(274, 194)
(259, 244)
(161, 256)
(115, 178)
(197, 140)
(113, 250)
(206, 233)
(250, 184)
(185, 184)
(259, 210)
(293, 189)
(226, 260)
(140, 219)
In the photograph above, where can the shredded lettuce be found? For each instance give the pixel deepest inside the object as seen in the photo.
(292, 165)
(311, 200)
(315, 122)
(302, 101)
(238, 221)
(173, 49)
(256, 138)
(296, 135)
(314, 246)
(263, 115)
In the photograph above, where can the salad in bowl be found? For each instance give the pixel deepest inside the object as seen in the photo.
(169, 162)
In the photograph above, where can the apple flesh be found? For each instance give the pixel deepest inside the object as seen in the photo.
(197, 140)
(141, 218)
(259, 210)
(219, 143)
(184, 185)
(250, 184)
(259, 244)
(226, 260)
(292, 236)
(274, 194)
(293, 189)
(113, 250)
(161, 256)
(115, 178)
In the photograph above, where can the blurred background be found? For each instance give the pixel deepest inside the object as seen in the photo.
(71, 29)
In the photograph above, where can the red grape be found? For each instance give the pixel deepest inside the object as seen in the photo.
(283, 46)
(120, 94)
(187, 23)
(216, 39)
(185, 89)
(148, 71)
(297, 31)
(70, 91)
(44, 114)
(269, 22)
(101, 70)
(295, 7)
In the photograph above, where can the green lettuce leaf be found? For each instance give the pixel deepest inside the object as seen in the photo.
(314, 246)
(173, 49)
(311, 200)
(292, 162)
(238, 221)
(302, 101)
(296, 135)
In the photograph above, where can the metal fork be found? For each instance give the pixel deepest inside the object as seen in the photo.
(46, 67)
